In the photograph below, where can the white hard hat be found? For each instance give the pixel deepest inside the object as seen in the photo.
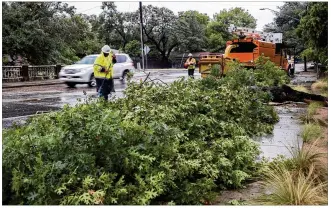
(190, 54)
(105, 49)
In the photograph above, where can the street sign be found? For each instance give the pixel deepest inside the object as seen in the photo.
(146, 50)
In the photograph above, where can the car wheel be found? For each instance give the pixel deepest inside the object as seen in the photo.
(92, 82)
(70, 84)
(124, 75)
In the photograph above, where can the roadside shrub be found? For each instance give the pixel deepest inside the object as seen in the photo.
(157, 145)
(268, 74)
(307, 156)
(265, 74)
(311, 131)
(301, 161)
(321, 86)
(312, 108)
(294, 189)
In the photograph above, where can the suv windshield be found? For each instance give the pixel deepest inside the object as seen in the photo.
(87, 60)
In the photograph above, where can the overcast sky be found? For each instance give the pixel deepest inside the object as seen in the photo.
(263, 16)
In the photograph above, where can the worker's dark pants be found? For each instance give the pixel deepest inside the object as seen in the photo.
(292, 71)
(191, 73)
(106, 88)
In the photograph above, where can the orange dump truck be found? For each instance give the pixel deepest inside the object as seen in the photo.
(246, 49)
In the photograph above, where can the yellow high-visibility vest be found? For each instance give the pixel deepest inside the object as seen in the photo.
(107, 63)
(191, 66)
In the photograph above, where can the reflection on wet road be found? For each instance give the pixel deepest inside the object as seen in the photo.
(286, 134)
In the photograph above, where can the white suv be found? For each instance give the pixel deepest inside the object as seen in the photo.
(82, 71)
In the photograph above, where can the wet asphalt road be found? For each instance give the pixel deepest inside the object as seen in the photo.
(20, 103)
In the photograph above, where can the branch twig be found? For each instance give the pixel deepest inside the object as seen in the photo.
(145, 79)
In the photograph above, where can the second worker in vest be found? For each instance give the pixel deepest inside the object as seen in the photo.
(191, 62)
(103, 72)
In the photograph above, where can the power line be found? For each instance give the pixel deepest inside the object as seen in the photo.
(89, 9)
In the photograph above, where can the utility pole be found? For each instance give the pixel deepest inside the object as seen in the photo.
(305, 58)
(293, 60)
(141, 35)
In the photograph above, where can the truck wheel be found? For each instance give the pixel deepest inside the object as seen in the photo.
(71, 84)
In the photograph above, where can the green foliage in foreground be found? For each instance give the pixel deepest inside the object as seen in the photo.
(158, 145)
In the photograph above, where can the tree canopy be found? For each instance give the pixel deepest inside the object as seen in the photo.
(286, 22)
(53, 32)
(313, 29)
(304, 26)
(217, 29)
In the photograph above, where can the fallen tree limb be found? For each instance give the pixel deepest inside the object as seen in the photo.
(145, 80)
(285, 94)
(285, 103)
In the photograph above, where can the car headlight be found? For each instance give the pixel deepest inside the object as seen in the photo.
(79, 70)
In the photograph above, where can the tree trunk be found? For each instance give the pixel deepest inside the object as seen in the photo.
(286, 93)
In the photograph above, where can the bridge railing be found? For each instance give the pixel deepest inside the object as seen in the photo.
(30, 73)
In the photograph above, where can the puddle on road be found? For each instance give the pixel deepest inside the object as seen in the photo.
(286, 133)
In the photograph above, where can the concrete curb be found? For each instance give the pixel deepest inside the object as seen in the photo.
(16, 85)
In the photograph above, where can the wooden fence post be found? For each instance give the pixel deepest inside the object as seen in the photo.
(25, 72)
(57, 71)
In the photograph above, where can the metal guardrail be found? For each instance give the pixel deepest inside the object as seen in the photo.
(30, 73)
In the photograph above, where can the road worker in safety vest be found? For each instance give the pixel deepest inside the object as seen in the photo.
(190, 62)
(103, 72)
